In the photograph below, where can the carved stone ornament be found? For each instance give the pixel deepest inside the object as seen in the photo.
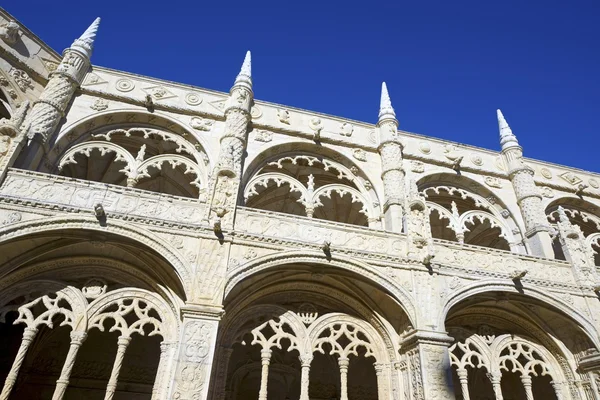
(546, 173)
(547, 192)
(476, 159)
(493, 181)
(125, 85)
(284, 116)
(260, 135)
(159, 92)
(12, 218)
(593, 183)
(201, 124)
(9, 32)
(99, 105)
(193, 99)
(256, 112)
(424, 148)
(21, 78)
(346, 129)
(571, 178)
(92, 79)
(359, 154)
(94, 288)
(451, 152)
(417, 166)
(316, 124)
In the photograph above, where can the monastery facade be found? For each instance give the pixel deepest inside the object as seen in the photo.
(163, 241)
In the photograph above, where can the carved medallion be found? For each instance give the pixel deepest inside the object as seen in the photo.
(594, 183)
(193, 99)
(99, 105)
(284, 116)
(417, 166)
(424, 148)
(255, 112)
(545, 172)
(261, 135)
(476, 159)
(124, 85)
(359, 154)
(346, 129)
(493, 181)
(547, 192)
(201, 124)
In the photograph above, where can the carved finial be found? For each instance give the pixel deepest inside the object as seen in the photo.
(580, 189)
(456, 163)
(245, 76)
(507, 138)
(386, 110)
(85, 43)
(518, 274)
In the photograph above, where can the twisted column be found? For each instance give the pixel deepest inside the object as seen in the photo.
(495, 377)
(77, 339)
(265, 357)
(166, 354)
(304, 379)
(343, 363)
(11, 378)
(526, 381)
(111, 388)
(464, 383)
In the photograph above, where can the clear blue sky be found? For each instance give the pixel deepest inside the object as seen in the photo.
(448, 64)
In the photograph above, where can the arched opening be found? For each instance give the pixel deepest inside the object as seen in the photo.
(515, 345)
(463, 211)
(136, 150)
(5, 108)
(311, 185)
(300, 322)
(84, 300)
(581, 214)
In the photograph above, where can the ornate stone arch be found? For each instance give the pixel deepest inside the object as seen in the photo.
(495, 285)
(141, 303)
(132, 232)
(462, 203)
(368, 272)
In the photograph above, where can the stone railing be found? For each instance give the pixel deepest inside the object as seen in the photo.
(79, 195)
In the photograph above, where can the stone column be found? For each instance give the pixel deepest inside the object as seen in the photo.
(48, 110)
(343, 363)
(265, 357)
(558, 390)
(429, 365)
(111, 388)
(77, 339)
(161, 382)
(392, 172)
(495, 378)
(11, 378)
(196, 352)
(528, 197)
(526, 381)
(304, 379)
(383, 380)
(464, 383)
(226, 176)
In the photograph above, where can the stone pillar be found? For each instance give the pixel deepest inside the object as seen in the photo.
(161, 382)
(196, 352)
(495, 378)
(48, 110)
(265, 357)
(111, 388)
(392, 172)
(528, 197)
(304, 379)
(77, 339)
(225, 181)
(526, 381)
(428, 361)
(219, 391)
(464, 383)
(11, 378)
(343, 363)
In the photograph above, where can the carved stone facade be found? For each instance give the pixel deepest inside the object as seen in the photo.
(159, 241)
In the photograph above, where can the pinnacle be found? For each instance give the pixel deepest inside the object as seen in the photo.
(85, 43)
(507, 138)
(385, 106)
(245, 75)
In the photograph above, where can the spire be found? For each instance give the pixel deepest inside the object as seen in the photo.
(85, 43)
(507, 138)
(244, 78)
(385, 108)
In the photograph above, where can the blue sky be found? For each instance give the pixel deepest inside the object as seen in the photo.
(448, 64)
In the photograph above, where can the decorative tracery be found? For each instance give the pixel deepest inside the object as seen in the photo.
(315, 187)
(466, 217)
(140, 157)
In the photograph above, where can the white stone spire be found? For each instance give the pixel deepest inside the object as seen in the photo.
(244, 78)
(85, 43)
(507, 138)
(386, 110)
